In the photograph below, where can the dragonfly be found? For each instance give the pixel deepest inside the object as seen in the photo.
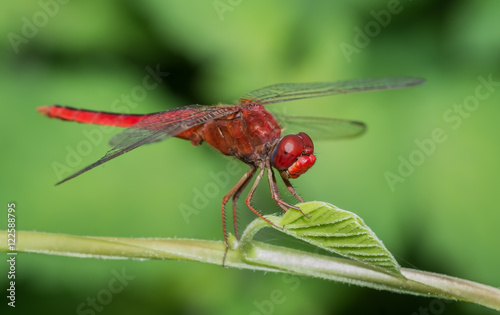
(245, 130)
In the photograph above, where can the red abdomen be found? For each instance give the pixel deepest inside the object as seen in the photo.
(112, 119)
(90, 116)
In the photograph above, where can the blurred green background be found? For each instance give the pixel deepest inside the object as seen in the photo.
(441, 216)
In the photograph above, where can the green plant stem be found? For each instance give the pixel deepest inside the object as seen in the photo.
(256, 256)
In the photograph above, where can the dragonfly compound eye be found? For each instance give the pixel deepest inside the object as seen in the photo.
(293, 154)
(287, 151)
(308, 143)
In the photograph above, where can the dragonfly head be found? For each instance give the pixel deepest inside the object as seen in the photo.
(293, 155)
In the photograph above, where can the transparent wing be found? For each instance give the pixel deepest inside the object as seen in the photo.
(294, 91)
(319, 128)
(156, 127)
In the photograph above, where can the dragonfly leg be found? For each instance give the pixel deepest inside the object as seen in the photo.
(250, 195)
(275, 192)
(234, 192)
(236, 196)
(291, 189)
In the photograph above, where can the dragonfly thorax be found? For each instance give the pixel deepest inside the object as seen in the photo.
(246, 134)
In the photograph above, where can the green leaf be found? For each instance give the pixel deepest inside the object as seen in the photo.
(341, 232)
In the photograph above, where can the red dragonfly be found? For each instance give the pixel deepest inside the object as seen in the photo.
(245, 130)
